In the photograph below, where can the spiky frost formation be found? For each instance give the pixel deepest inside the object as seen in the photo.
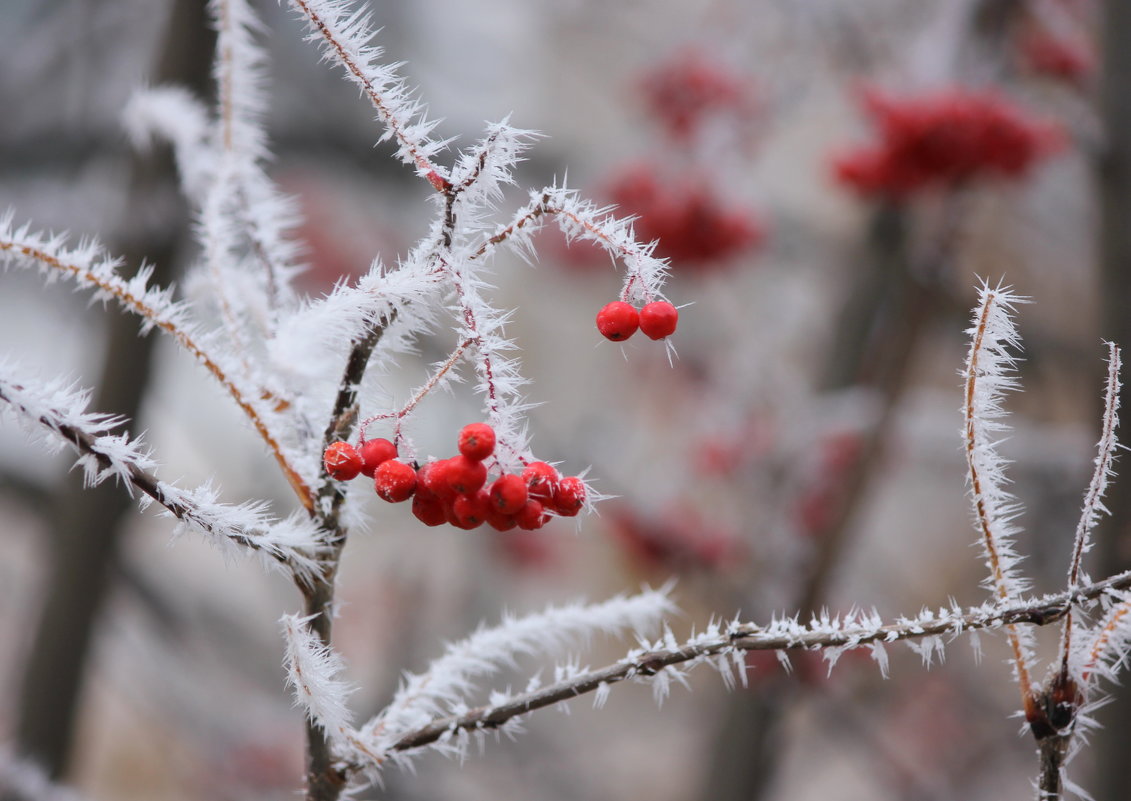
(1093, 506)
(987, 377)
(91, 268)
(293, 543)
(444, 688)
(345, 36)
(173, 114)
(1078, 639)
(312, 672)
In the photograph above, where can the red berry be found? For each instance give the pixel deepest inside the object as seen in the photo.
(532, 516)
(374, 452)
(433, 476)
(659, 319)
(569, 496)
(477, 441)
(508, 494)
(342, 461)
(617, 321)
(428, 508)
(464, 475)
(471, 511)
(540, 478)
(499, 521)
(394, 481)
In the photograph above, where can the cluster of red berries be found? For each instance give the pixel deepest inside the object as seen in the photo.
(695, 226)
(619, 320)
(455, 490)
(943, 139)
(683, 91)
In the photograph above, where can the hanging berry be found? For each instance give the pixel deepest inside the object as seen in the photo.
(464, 475)
(569, 496)
(394, 481)
(375, 452)
(342, 461)
(540, 478)
(618, 321)
(658, 319)
(508, 494)
(477, 441)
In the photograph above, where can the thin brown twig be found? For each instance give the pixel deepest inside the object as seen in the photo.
(989, 537)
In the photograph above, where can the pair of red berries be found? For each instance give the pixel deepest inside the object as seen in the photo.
(455, 490)
(619, 320)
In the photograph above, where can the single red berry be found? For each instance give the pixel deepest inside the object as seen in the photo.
(658, 319)
(618, 321)
(532, 516)
(394, 481)
(540, 478)
(471, 511)
(342, 461)
(508, 494)
(477, 441)
(433, 476)
(465, 476)
(569, 496)
(428, 508)
(374, 452)
(499, 521)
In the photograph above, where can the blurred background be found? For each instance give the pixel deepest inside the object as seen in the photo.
(831, 182)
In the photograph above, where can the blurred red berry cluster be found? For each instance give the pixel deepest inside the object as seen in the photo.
(697, 228)
(682, 93)
(942, 139)
(678, 540)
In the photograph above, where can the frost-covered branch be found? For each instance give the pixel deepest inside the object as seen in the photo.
(346, 37)
(721, 646)
(1097, 487)
(90, 267)
(986, 376)
(293, 543)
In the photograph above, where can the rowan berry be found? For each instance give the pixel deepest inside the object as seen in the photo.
(618, 321)
(394, 481)
(499, 521)
(658, 319)
(465, 476)
(433, 476)
(569, 496)
(477, 441)
(508, 494)
(342, 461)
(540, 478)
(374, 452)
(428, 508)
(471, 511)
(532, 516)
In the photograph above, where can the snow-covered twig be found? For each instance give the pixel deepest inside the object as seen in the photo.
(986, 376)
(346, 37)
(719, 646)
(294, 543)
(90, 267)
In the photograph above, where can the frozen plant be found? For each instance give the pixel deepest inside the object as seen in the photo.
(295, 367)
